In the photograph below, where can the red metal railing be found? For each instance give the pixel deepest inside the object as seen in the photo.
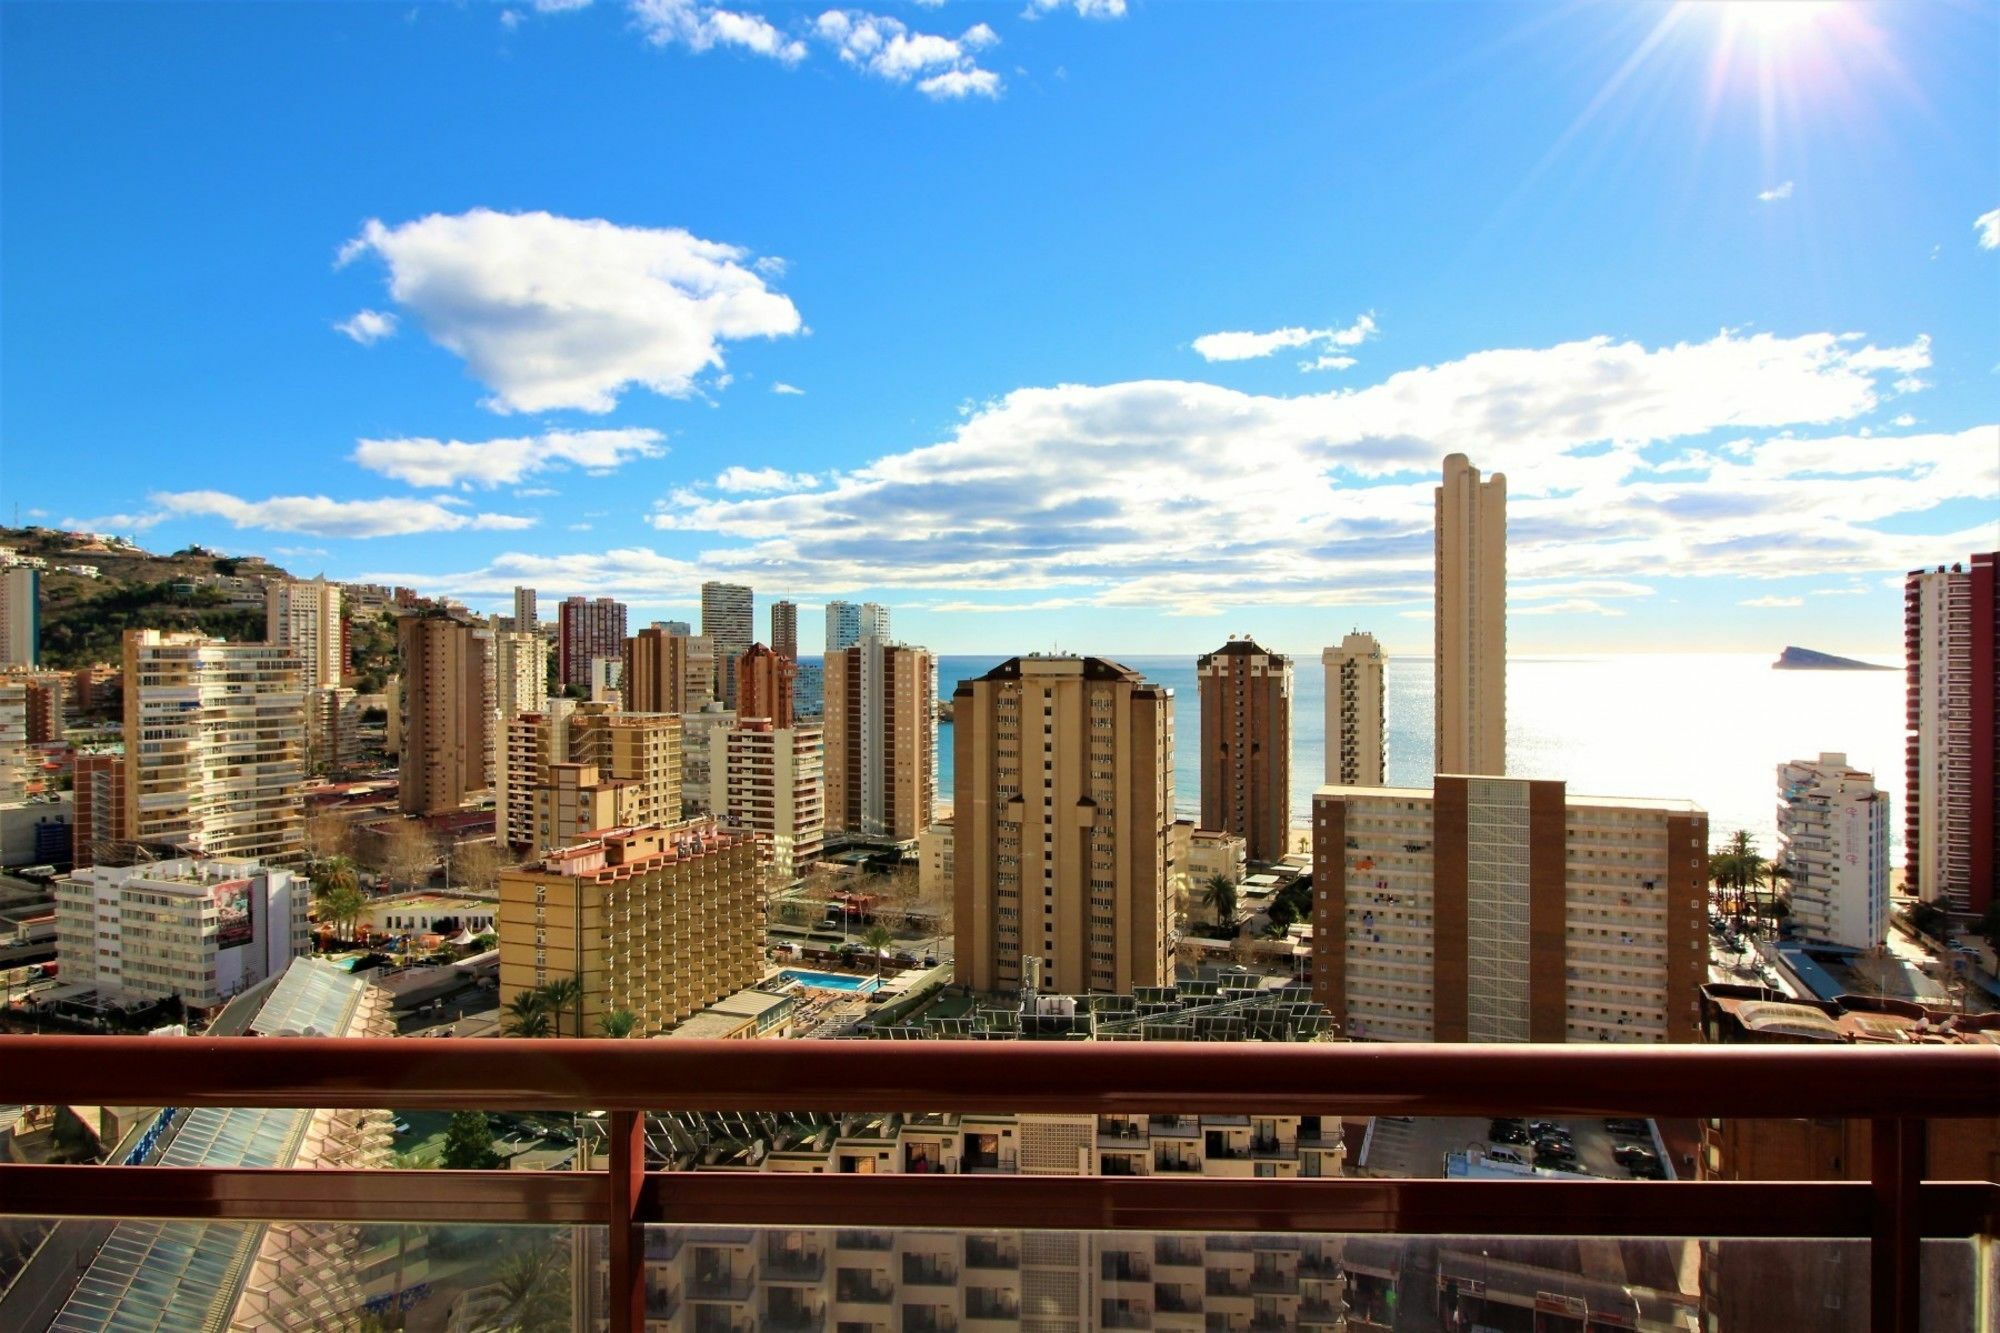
(1897, 1089)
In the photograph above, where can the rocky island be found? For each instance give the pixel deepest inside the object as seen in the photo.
(1805, 659)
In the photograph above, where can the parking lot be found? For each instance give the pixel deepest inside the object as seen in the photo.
(1417, 1147)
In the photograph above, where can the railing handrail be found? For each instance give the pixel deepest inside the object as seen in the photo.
(572, 1074)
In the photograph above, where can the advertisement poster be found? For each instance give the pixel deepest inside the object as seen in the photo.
(233, 925)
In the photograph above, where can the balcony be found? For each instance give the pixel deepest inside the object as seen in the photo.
(1118, 1314)
(786, 1264)
(851, 1289)
(1887, 1218)
(985, 1253)
(1176, 1252)
(1124, 1268)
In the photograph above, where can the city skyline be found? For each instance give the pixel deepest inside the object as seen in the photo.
(1738, 392)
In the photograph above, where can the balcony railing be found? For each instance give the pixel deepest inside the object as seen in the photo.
(1897, 1089)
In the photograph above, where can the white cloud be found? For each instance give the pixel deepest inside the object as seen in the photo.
(1090, 9)
(764, 479)
(1988, 227)
(552, 312)
(702, 27)
(1904, 421)
(888, 49)
(320, 516)
(297, 551)
(368, 326)
(1772, 603)
(1571, 606)
(771, 266)
(489, 463)
(1175, 493)
(558, 6)
(1248, 346)
(114, 523)
(1840, 592)
(510, 19)
(780, 387)
(1776, 192)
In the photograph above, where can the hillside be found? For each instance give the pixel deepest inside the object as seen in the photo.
(84, 619)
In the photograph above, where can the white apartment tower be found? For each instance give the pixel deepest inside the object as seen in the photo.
(1356, 712)
(1471, 621)
(728, 623)
(1833, 836)
(843, 626)
(215, 746)
(304, 616)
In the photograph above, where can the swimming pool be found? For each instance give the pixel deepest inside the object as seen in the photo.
(829, 980)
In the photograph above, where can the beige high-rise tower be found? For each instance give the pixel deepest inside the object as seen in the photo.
(446, 712)
(1064, 790)
(881, 739)
(1471, 621)
(304, 616)
(1246, 745)
(1356, 712)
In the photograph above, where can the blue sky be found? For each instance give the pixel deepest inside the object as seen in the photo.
(1118, 326)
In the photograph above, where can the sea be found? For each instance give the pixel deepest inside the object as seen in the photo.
(1708, 728)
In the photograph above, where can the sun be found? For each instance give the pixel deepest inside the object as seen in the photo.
(1771, 21)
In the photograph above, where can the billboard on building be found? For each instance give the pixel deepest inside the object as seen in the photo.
(234, 925)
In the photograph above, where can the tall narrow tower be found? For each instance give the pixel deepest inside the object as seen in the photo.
(785, 630)
(1471, 618)
(1246, 745)
(727, 623)
(1355, 712)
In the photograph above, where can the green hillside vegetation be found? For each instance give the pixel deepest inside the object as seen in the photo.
(84, 619)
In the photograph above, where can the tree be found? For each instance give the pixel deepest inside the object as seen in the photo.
(563, 998)
(334, 872)
(877, 939)
(535, 1283)
(329, 836)
(1282, 915)
(475, 867)
(408, 853)
(468, 1143)
(617, 1023)
(484, 941)
(342, 907)
(527, 1015)
(1988, 928)
(1928, 919)
(1219, 893)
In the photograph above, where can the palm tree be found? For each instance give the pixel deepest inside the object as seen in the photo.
(1738, 867)
(617, 1023)
(535, 1283)
(1219, 892)
(341, 907)
(877, 940)
(562, 995)
(527, 1015)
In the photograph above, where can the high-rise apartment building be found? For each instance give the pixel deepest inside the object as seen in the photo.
(1471, 621)
(20, 616)
(99, 812)
(1504, 909)
(843, 626)
(667, 672)
(680, 627)
(1356, 713)
(524, 611)
(586, 631)
(655, 921)
(873, 620)
(764, 685)
(770, 780)
(215, 746)
(1064, 797)
(809, 691)
(785, 630)
(639, 753)
(880, 713)
(701, 737)
(1951, 788)
(446, 712)
(729, 625)
(1833, 839)
(606, 677)
(1246, 745)
(200, 929)
(520, 673)
(15, 762)
(304, 616)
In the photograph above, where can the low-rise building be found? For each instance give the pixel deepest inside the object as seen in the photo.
(936, 870)
(199, 929)
(744, 1015)
(658, 921)
(430, 914)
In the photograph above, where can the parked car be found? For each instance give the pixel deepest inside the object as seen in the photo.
(1501, 1153)
(1507, 1131)
(1647, 1170)
(1635, 1129)
(1629, 1154)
